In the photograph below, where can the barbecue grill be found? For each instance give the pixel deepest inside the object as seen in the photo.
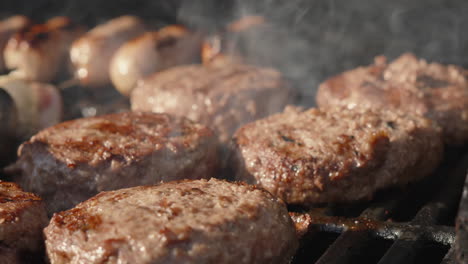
(411, 225)
(414, 224)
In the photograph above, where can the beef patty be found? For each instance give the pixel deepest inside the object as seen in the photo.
(335, 155)
(74, 160)
(222, 97)
(22, 218)
(438, 92)
(195, 221)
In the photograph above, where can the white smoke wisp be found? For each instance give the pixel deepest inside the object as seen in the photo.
(310, 41)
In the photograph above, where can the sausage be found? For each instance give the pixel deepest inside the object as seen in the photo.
(92, 53)
(38, 105)
(8, 28)
(151, 52)
(223, 47)
(39, 52)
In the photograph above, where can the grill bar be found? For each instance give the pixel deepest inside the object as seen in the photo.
(434, 201)
(402, 251)
(461, 243)
(336, 254)
(344, 247)
(449, 257)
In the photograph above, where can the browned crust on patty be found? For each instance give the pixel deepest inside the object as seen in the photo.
(74, 160)
(128, 136)
(22, 217)
(334, 155)
(187, 221)
(221, 97)
(438, 92)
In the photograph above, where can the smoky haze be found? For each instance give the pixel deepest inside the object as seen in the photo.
(308, 40)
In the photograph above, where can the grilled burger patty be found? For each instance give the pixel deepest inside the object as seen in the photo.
(196, 221)
(222, 97)
(336, 154)
(438, 92)
(22, 218)
(74, 160)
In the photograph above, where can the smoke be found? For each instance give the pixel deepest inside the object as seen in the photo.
(276, 43)
(310, 41)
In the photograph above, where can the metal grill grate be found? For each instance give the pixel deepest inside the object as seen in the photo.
(414, 225)
(461, 242)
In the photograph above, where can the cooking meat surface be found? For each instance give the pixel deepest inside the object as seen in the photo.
(40, 52)
(196, 221)
(22, 218)
(222, 97)
(9, 27)
(336, 154)
(92, 53)
(439, 92)
(302, 222)
(72, 161)
(152, 52)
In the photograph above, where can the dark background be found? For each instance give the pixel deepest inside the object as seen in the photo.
(312, 39)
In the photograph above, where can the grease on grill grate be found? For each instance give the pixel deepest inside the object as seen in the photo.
(415, 224)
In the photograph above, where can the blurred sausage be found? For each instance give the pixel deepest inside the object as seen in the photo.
(91, 54)
(39, 52)
(224, 46)
(38, 105)
(214, 52)
(152, 52)
(8, 27)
